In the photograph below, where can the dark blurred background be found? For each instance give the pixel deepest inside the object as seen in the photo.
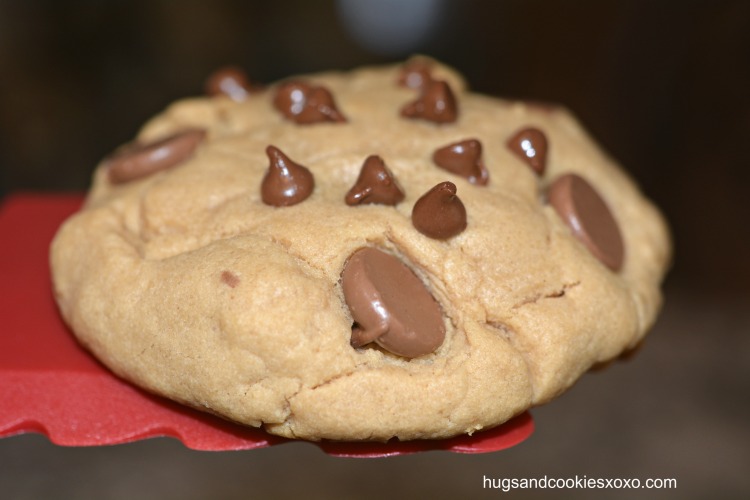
(663, 85)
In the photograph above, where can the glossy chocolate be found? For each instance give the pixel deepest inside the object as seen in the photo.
(390, 305)
(439, 213)
(140, 160)
(230, 81)
(436, 103)
(589, 218)
(375, 184)
(305, 104)
(285, 182)
(415, 73)
(530, 144)
(463, 158)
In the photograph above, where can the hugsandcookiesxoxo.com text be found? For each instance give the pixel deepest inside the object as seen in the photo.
(578, 482)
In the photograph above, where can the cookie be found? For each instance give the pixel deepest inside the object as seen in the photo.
(360, 255)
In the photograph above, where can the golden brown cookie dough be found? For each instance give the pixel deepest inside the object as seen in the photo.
(204, 281)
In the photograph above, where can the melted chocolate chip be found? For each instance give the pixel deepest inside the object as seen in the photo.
(415, 73)
(231, 82)
(436, 103)
(530, 144)
(465, 159)
(375, 184)
(439, 213)
(305, 104)
(140, 160)
(286, 182)
(589, 218)
(390, 305)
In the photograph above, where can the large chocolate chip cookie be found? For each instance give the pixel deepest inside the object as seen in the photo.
(360, 255)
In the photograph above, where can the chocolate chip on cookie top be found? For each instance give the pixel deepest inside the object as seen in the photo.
(390, 305)
(588, 217)
(285, 182)
(375, 184)
(230, 81)
(436, 103)
(137, 160)
(415, 73)
(304, 103)
(439, 213)
(530, 144)
(463, 158)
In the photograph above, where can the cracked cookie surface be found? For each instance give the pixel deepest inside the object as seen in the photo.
(189, 282)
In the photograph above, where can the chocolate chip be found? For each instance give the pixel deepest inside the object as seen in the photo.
(436, 103)
(305, 104)
(439, 213)
(286, 182)
(465, 159)
(375, 184)
(530, 144)
(230, 81)
(588, 217)
(415, 73)
(390, 305)
(140, 160)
